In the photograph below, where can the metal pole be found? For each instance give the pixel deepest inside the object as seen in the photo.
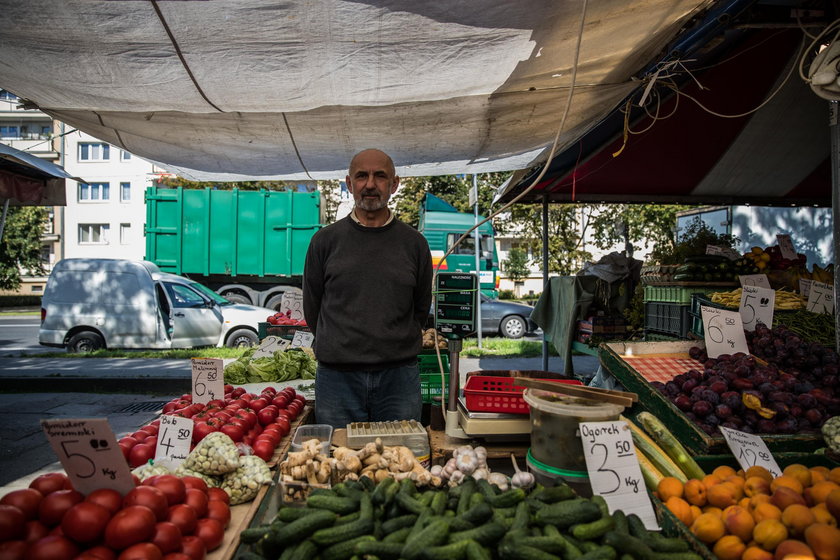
(3, 219)
(835, 208)
(545, 272)
(477, 264)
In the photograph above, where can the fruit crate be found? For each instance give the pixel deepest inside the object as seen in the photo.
(283, 331)
(489, 393)
(430, 380)
(667, 318)
(680, 293)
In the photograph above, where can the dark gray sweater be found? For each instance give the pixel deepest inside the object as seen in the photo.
(367, 294)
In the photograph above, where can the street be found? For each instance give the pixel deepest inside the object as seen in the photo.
(19, 335)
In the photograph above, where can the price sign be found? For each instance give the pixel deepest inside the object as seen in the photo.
(174, 437)
(786, 246)
(723, 331)
(750, 450)
(302, 339)
(89, 454)
(759, 280)
(805, 287)
(291, 305)
(269, 346)
(727, 252)
(757, 306)
(614, 471)
(821, 298)
(207, 379)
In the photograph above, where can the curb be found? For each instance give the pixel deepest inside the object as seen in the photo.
(163, 386)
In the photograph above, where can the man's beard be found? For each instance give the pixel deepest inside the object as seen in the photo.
(372, 204)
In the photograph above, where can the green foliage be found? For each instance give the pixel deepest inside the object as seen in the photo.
(506, 294)
(20, 249)
(516, 265)
(635, 224)
(691, 243)
(566, 226)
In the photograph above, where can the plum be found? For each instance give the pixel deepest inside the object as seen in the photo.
(694, 352)
(723, 411)
(671, 389)
(781, 396)
(787, 426)
(765, 426)
(710, 397)
(813, 416)
(682, 402)
(694, 374)
(720, 386)
(701, 409)
(689, 385)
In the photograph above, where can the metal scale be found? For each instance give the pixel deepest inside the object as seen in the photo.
(455, 304)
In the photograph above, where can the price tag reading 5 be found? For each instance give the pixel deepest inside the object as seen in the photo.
(174, 437)
(750, 450)
(89, 454)
(614, 471)
(757, 306)
(207, 379)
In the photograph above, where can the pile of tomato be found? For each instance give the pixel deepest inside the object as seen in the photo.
(285, 319)
(165, 517)
(257, 421)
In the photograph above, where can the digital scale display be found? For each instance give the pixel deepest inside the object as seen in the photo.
(455, 301)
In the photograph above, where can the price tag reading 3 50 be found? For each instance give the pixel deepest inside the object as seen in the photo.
(723, 331)
(303, 339)
(174, 437)
(757, 306)
(207, 379)
(89, 454)
(614, 471)
(750, 450)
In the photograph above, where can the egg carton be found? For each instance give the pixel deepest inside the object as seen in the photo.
(397, 432)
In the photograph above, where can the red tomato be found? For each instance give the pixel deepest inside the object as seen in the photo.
(140, 436)
(85, 522)
(141, 551)
(194, 482)
(49, 482)
(140, 455)
(170, 407)
(177, 556)
(267, 415)
(184, 517)
(215, 422)
(54, 505)
(281, 400)
(271, 436)
(108, 498)
(301, 399)
(13, 550)
(264, 449)
(258, 404)
(52, 547)
(97, 553)
(12, 523)
(193, 547)
(149, 496)
(233, 431)
(238, 392)
(151, 441)
(223, 415)
(211, 531)
(218, 494)
(202, 429)
(249, 416)
(215, 403)
(131, 525)
(197, 500)
(220, 511)
(284, 412)
(285, 425)
(35, 530)
(125, 447)
(25, 499)
(167, 537)
(172, 486)
(150, 429)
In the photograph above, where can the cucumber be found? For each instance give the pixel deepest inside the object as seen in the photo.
(408, 503)
(304, 551)
(662, 544)
(343, 550)
(346, 491)
(521, 516)
(594, 529)
(478, 514)
(433, 534)
(554, 494)
(398, 536)
(552, 545)
(438, 504)
(477, 552)
(676, 556)
(487, 490)
(253, 534)
(292, 513)
(391, 525)
(514, 551)
(571, 544)
(336, 504)
(298, 530)
(489, 533)
(349, 518)
(380, 493)
(620, 520)
(381, 550)
(628, 544)
(247, 555)
(567, 513)
(509, 498)
(467, 490)
(603, 552)
(332, 535)
(452, 551)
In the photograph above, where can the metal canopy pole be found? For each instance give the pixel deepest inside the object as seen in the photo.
(835, 208)
(545, 272)
(477, 237)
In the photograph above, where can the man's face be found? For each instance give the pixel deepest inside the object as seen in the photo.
(372, 180)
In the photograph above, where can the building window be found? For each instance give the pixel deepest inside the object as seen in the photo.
(125, 156)
(9, 132)
(94, 151)
(94, 192)
(7, 95)
(93, 234)
(125, 234)
(125, 192)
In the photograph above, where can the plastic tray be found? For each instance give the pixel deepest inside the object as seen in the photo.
(321, 432)
(487, 393)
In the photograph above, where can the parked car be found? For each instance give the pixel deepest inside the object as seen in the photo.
(90, 304)
(506, 318)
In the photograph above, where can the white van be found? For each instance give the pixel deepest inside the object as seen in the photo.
(90, 304)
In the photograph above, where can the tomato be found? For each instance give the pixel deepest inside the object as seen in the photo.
(258, 404)
(85, 522)
(141, 551)
(169, 407)
(202, 429)
(215, 403)
(172, 487)
(108, 498)
(54, 505)
(264, 449)
(283, 412)
(284, 424)
(52, 547)
(140, 455)
(218, 494)
(151, 441)
(35, 530)
(194, 547)
(197, 500)
(177, 556)
(267, 415)
(140, 436)
(12, 523)
(49, 482)
(249, 416)
(194, 482)
(150, 429)
(233, 431)
(280, 400)
(97, 553)
(125, 447)
(25, 499)
(167, 537)
(272, 436)
(13, 550)
(132, 524)
(149, 496)
(223, 415)
(238, 392)
(220, 511)
(184, 517)
(211, 531)
(228, 387)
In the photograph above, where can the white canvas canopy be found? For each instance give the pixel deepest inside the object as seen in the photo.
(219, 90)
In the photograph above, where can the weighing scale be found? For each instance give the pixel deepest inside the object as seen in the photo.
(455, 304)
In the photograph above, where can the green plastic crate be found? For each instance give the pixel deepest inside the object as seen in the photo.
(430, 383)
(677, 294)
(666, 318)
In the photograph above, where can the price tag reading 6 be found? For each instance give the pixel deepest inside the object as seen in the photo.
(207, 379)
(89, 454)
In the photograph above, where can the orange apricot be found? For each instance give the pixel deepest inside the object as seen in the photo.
(722, 495)
(766, 511)
(708, 528)
(710, 480)
(792, 548)
(787, 481)
(824, 540)
(834, 475)
(760, 472)
(729, 547)
(819, 473)
(822, 515)
(695, 512)
(756, 485)
(796, 518)
(723, 471)
(680, 508)
(799, 472)
(769, 533)
(695, 492)
(819, 492)
(832, 503)
(669, 486)
(739, 522)
(754, 552)
(783, 497)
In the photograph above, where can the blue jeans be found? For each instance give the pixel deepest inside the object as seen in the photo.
(342, 397)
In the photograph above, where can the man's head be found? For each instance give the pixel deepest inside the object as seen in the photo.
(372, 180)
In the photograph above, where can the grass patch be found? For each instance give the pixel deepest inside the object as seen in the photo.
(504, 347)
(178, 354)
(10, 312)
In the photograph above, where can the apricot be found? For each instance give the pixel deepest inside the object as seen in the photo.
(799, 472)
(695, 512)
(824, 540)
(766, 511)
(680, 508)
(738, 483)
(710, 480)
(818, 493)
(822, 515)
(754, 552)
(669, 486)
(724, 471)
(729, 547)
(787, 481)
(722, 495)
(756, 485)
(792, 547)
(819, 473)
(694, 492)
(739, 522)
(834, 475)
(796, 518)
(760, 472)
(832, 503)
(708, 528)
(769, 533)
(783, 497)
(714, 511)
(760, 499)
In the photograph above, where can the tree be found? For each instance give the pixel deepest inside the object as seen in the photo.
(20, 249)
(633, 224)
(516, 265)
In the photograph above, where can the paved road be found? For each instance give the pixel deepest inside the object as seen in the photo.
(19, 335)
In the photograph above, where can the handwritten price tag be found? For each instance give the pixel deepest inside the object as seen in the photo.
(303, 339)
(291, 305)
(757, 306)
(727, 252)
(207, 379)
(269, 346)
(723, 331)
(759, 280)
(805, 287)
(174, 437)
(750, 450)
(614, 471)
(786, 246)
(821, 298)
(89, 454)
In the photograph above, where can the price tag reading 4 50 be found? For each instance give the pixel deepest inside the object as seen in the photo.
(750, 450)
(174, 438)
(614, 471)
(89, 454)
(207, 379)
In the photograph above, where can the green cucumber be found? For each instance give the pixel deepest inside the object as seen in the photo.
(380, 493)
(628, 544)
(304, 551)
(344, 550)
(477, 552)
(438, 503)
(253, 534)
(603, 552)
(332, 535)
(508, 498)
(433, 534)
(336, 504)
(452, 551)
(554, 494)
(467, 490)
(567, 513)
(391, 525)
(486, 534)
(298, 530)
(512, 550)
(594, 529)
(398, 536)
(479, 513)
(381, 550)
(521, 516)
(292, 513)
(620, 520)
(408, 503)
(551, 545)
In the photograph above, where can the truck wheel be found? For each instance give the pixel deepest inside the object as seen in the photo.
(85, 341)
(242, 338)
(513, 327)
(237, 298)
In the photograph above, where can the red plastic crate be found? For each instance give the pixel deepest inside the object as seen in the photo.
(487, 393)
